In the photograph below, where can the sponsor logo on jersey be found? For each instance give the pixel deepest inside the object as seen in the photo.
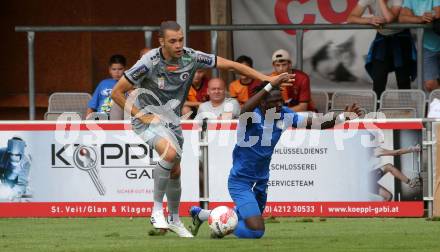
(139, 72)
(155, 59)
(172, 68)
(184, 76)
(204, 59)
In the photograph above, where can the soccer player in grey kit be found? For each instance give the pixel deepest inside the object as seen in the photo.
(165, 75)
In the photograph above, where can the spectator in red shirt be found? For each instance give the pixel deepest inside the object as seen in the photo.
(197, 95)
(297, 96)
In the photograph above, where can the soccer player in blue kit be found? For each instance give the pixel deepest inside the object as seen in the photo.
(258, 133)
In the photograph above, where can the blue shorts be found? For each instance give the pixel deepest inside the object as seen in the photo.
(249, 196)
(431, 65)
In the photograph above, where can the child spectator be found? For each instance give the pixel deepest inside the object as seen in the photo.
(101, 100)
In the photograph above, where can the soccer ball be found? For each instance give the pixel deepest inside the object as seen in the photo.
(222, 221)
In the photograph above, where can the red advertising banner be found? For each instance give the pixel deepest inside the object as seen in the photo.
(83, 209)
(340, 209)
(334, 173)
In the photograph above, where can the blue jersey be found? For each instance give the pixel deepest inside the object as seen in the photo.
(101, 100)
(256, 142)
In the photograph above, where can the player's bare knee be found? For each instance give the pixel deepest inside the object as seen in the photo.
(170, 155)
(255, 223)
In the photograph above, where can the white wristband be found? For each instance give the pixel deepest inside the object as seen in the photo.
(268, 87)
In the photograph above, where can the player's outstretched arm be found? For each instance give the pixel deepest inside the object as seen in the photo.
(324, 122)
(255, 100)
(226, 64)
(118, 96)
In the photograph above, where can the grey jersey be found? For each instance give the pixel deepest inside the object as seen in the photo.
(165, 83)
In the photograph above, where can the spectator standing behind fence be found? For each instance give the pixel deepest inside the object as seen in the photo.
(242, 88)
(391, 50)
(218, 106)
(297, 96)
(101, 100)
(419, 12)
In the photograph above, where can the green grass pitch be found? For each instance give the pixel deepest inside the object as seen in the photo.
(289, 234)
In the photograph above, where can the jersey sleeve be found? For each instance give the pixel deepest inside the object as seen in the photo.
(204, 60)
(93, 103)
(139, 71)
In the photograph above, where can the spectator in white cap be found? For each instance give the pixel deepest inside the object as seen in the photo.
(297, 96)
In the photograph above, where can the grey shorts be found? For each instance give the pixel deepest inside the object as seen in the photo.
(431, 65)
(150, 134)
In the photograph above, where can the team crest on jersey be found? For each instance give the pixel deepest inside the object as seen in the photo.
(186, 59)
(184, 76)
(204, 59)
(139, 72)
